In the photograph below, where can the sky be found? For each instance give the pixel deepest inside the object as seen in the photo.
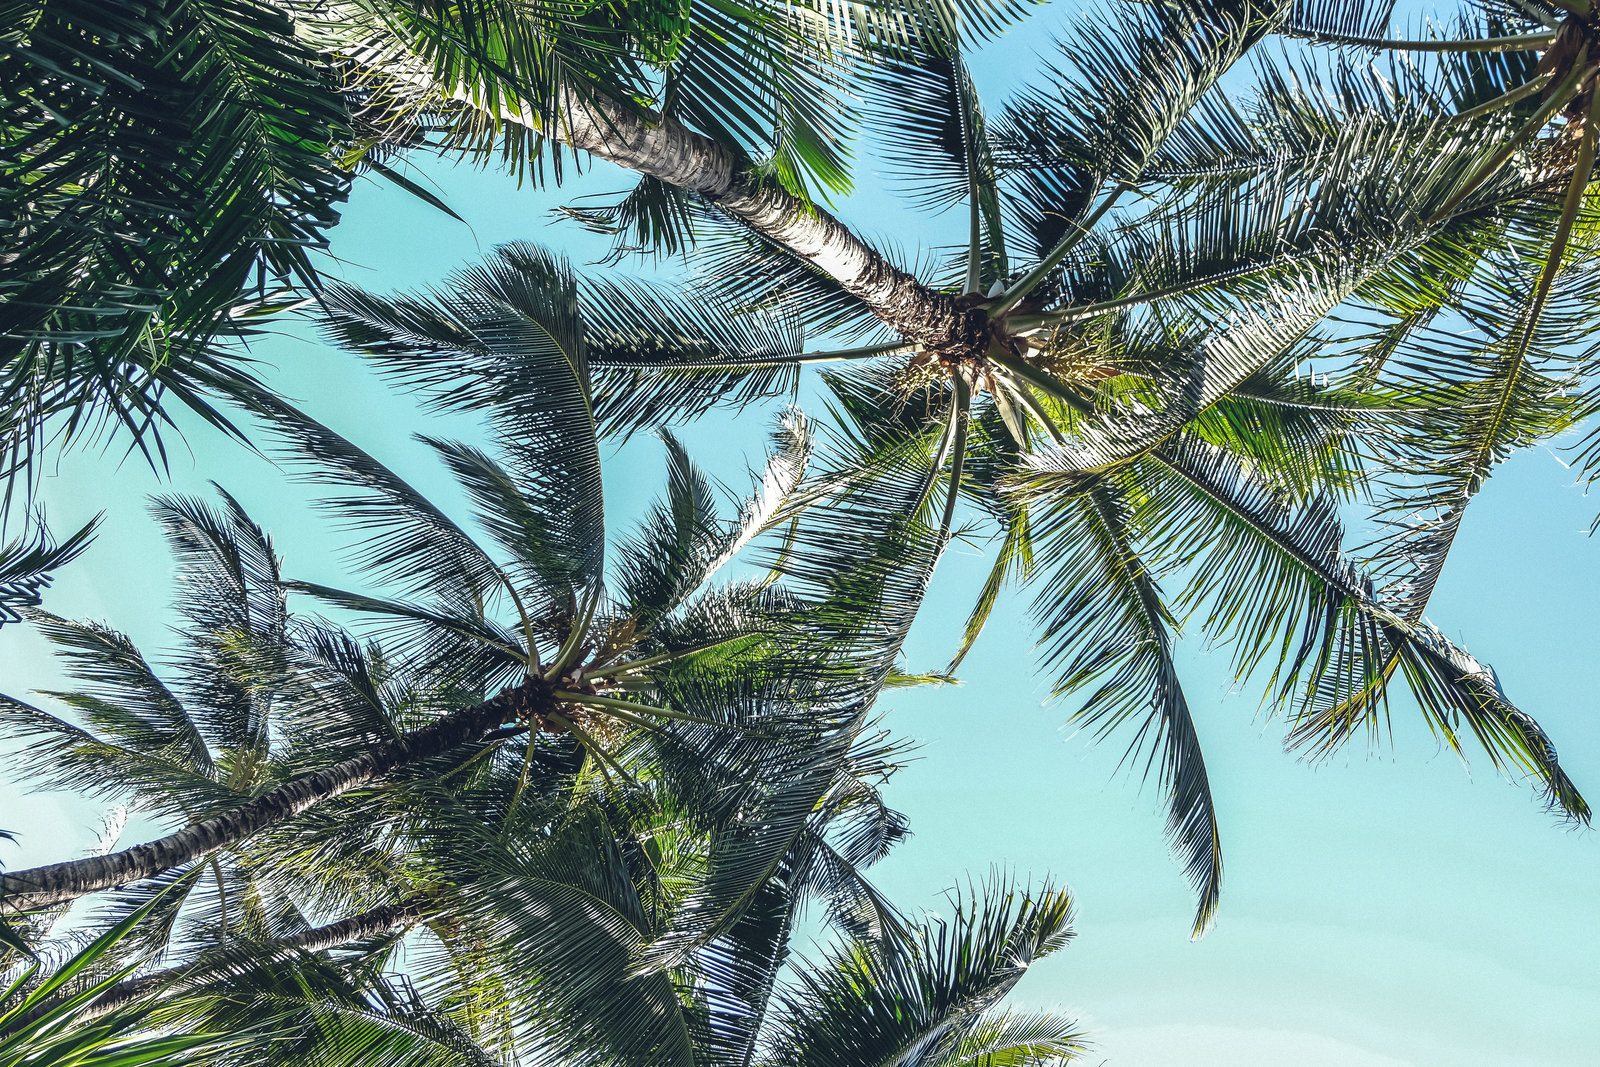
(1384, 908)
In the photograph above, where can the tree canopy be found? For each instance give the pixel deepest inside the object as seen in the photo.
(1245, 303)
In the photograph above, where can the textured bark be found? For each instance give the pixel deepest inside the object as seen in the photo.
(59, 883)
(362, 927)
(663, 148)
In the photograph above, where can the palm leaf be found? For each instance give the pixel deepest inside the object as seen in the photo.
(27, 563)
(167, 159)
(1104, 620)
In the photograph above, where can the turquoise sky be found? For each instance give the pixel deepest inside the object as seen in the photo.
(1384, 908)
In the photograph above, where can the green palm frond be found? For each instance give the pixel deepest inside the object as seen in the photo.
(28, 563)
(1105, 622)
(1276, 571)
(746, 854)
(652, 218)
(408, 539)
(656, 354)
(126, 700)
(168, 165)
(459, 644)
(61, 755)
(508, 340)
(235, 613)
(926, 102)
(1020, 1039)
(46, 1017)
(1124, 83)
(329, 1013)
(566, 913)
(865, 559)
(660, 565)
(1193, 373)
(1366, 18)
(930, 994)
(1485, 401)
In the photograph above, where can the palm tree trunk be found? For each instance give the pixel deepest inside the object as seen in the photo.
(59, 883)
(361, 927)
(663, 148)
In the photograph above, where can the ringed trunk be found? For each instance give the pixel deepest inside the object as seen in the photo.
(362, 927)
(59, 883)
(663, 148)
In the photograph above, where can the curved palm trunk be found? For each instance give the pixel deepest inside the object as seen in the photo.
(662, 147)
(59, 883)
(361, 927)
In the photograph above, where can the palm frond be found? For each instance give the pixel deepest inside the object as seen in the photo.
(127, 701)
(661, 358)
(169, 165)
(1276, 584)
(409, 541)
(925, 996)
(27, 565)
(1125, 81)
(507, 339)
(1105, 621)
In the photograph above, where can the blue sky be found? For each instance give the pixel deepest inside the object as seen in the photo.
(1383, 908)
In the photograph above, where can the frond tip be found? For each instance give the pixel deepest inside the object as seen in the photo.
(27, 566)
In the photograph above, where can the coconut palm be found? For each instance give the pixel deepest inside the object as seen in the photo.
(1253, 473)
(472, 854)
(495, 866)
(253, 700)
(519, 638)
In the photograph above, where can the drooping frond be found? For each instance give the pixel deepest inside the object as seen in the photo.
(1276, 584)
(168, 167)
(408, 540)
(1104, 622)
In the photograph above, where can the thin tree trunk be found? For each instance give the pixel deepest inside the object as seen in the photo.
(58, 883)
(663, 148)
(362, 927)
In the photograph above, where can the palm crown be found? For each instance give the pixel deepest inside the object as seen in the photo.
(488, 851)
(698, 668)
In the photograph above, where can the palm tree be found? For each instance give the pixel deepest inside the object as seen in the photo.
(1254, 474)
(726, 665)
(172, 164)
(501, 881)
(254, 700)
